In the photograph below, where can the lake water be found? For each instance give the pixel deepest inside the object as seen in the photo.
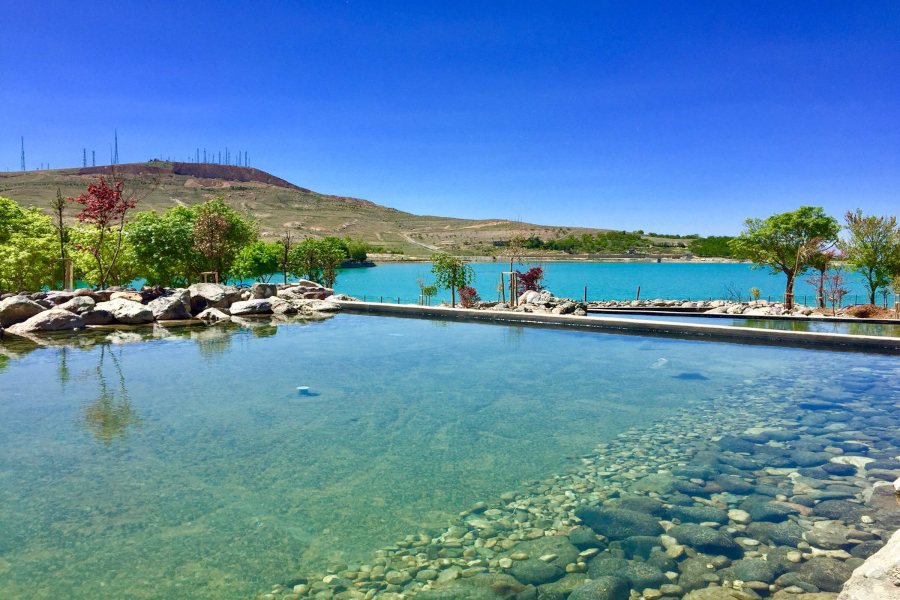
(605, 281)
(814, 325)
(187, 465)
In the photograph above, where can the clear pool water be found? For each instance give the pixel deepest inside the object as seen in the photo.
(187, 465)
(881, 329)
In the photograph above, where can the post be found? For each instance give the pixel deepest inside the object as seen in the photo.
(638, 295)
(585, 294)
(503, 287)
(382, 299)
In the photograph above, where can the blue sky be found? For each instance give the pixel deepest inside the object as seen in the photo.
(676, 117)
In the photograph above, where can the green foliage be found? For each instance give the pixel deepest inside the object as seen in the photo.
(219, 234)
(451, 272)
(28, 244)
(787, 242)
(318, 260)
(755, 293)
(125, 269)
(714, 245)
(258, 260)
(872, 249)
(610, 242)
(357, 250)
(164, 246)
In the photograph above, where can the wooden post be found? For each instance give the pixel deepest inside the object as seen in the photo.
(638, 296)
(503, 287)
(585, 294)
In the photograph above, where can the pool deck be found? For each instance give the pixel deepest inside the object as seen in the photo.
(704, 331)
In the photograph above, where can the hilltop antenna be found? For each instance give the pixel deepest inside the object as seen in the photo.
(204, 155)
(198, 154)
(84, 157)
(93, 158)
(220, 157)
(23, 152)
(116, 155)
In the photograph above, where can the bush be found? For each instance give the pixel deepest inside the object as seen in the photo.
(468, 296)
(530, 280)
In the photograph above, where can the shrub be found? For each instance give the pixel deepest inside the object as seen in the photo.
(468, 296)
(531, 280)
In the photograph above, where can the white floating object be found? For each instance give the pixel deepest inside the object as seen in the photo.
(303, 390)
(660, 363)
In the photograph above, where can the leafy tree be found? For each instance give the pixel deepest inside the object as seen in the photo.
(785, 242)
(318, 260)
(530, 280)
(164, 246)
(468, 296)
(122, 271)
(58, 206)
(219, 234)
(873, 249)
(714, 245)
(451, 272)
(105, 209)
(357, 250)
(257, 260)
(286, 244)
(27, 245)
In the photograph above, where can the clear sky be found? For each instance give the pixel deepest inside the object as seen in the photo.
(674, 117)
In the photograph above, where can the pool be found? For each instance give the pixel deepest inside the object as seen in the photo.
(814, 325)
(186, 463)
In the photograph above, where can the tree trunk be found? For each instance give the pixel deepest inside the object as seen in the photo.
(789, 291)
(452, 296)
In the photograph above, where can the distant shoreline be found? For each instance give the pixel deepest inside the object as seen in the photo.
(379, 259)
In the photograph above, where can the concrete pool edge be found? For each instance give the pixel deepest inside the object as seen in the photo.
(719, 333)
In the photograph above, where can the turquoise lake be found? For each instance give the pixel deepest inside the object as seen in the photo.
(604, 281)
(183, 463)
(814, 325)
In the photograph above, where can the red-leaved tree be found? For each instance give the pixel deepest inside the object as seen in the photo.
(105, 208)
(531, 280)
(468, 296)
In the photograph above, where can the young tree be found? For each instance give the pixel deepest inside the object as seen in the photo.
(786, 242)
(835, 290)
(873, 248)
(468, 296)
(27, 245)
(58, 206)
(530, 280)
(286, 244)
(105, 209)
(332, 254)
(451, 273)
(219, 234)
(125, 269)
(257, 260)
(304, 261)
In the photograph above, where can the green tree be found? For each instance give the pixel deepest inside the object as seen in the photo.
(164, 246)
(257, 260)
(27, 247)
(356, 249)
(786, 242)
(872, 249)
(319, 260)
(219, 234)
(332, 254)
(304, 260)
(451, 272)
(103, 272)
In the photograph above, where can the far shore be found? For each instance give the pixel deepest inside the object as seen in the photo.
(394, 259)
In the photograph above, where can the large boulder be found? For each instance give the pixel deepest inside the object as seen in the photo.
(706, 540)
(251, 307)
(79, 304)
(54, 319)
(604, 588)
(304, 290)
(57, 297)
(878, 577)
(173, 307)
(98, 317)
(205, 295)
(213, 315)
(17, 309)
(261, 291)
(127, 311)
(127, 295)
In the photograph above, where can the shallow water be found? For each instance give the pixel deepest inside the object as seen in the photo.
(879, 329)
(189, 466)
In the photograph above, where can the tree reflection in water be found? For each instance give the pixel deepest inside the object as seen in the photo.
(111, 414)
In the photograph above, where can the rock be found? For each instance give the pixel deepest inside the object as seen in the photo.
(878, 577)
(656, 482)
(754, 569)
(827, 574)
(867, 549)
(699, 514)
(204, 295)
(83, 293)
(132, 296)
(832, 537)
(18, 309)
(618, 524)
(718, 593)
(251, 307)
(733, 484)
(739, 516)
(54, 319)
(535, 572)
(171, 308)
(604, 588)
(97, 317)
(126, 311)
(843, 510)
(642, 576)
(706, 540)
(79, 305)
(563, 587)
(260, 291)
(641, 504)
(810, 459)
(605, 564)
(584, 538)
(839, 469)
(696, 573)
(554, 545)
(771, 512)
(785, 534)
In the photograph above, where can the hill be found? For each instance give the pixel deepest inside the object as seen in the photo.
(280, 205)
